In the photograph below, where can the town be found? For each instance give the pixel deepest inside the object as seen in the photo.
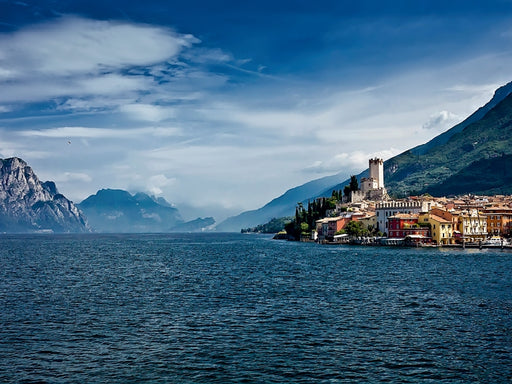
(365, 214)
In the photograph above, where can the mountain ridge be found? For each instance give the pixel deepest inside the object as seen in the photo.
(29, 205)
(393, 182)
(118, 211)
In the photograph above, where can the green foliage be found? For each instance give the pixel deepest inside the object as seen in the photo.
(354, 185)
(355, 228)
(337, 195)
(315, 210)
(475, 160)
(273, 226)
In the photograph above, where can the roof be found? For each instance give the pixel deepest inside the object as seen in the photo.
(440, 219)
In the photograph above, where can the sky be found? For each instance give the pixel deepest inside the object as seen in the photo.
(221, 106)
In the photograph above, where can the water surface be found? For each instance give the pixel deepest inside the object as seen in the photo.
(231, 308)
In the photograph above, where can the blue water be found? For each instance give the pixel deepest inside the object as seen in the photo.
(234, 308)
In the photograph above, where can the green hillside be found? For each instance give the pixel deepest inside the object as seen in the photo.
(458, 166)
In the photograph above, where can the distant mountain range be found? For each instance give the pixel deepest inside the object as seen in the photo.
(471, 157)
(474, 156)
(29, 205)
(115, 210)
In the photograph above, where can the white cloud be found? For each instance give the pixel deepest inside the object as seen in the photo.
(148, 112)
(156, 182)
(74, 45)
(73, 176)
(442, 121)
(350, 162)
(96, 133)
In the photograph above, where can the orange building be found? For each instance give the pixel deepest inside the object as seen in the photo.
(499, 220)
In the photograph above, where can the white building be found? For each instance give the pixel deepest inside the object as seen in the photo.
(385, 209)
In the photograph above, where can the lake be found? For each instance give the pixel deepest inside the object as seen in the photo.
(232, 308)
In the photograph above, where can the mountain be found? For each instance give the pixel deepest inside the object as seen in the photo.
(416, 170)
(283, 205)
(458, 166)
(28, 205)
(115, 210)
(196, 225)
(500, 94)
(454, 157)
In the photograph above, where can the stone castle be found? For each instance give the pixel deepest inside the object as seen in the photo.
(371, 187)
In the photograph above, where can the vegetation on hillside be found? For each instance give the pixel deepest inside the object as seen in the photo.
(486, 140)
(273, 226)
(305, 218)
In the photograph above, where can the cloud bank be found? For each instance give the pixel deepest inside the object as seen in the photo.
(118, 104)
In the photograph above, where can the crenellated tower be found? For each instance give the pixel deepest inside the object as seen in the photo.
(377, 171)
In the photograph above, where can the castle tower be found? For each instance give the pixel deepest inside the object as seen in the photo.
(377, 171)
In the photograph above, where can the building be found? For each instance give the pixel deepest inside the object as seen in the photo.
(472, 225)
(371, 187)
(327, 228)
(403, 225)
(499, 220)
(369, 221)
(440, 224)
(386, 209)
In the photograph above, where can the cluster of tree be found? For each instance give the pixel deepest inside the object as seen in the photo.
(356, 228)
(353, 186)
(305, 218)
(273, 226)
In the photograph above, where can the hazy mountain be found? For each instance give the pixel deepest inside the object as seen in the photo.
(196, 225)
(283, 205)
(115, 210)
(451, 158)
(28, 205)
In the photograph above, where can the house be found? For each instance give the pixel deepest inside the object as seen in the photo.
(472, 225)
(326, 228)
(441, 225)
(404, 225)
(499, 220)
(385, 209)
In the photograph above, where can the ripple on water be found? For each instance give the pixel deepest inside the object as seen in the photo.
(186, 309)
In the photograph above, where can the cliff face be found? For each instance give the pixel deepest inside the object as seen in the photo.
(27, 205)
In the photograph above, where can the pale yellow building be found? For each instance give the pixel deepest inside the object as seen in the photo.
(441, 228)
(472, 225)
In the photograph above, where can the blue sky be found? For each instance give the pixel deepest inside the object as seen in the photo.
(225, 105)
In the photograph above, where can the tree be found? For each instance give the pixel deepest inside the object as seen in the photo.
(354, 185)
(354, 228)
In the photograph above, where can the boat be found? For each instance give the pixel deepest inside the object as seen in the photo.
(495, 241)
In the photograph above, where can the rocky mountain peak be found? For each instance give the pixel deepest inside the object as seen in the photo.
(28, 205)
